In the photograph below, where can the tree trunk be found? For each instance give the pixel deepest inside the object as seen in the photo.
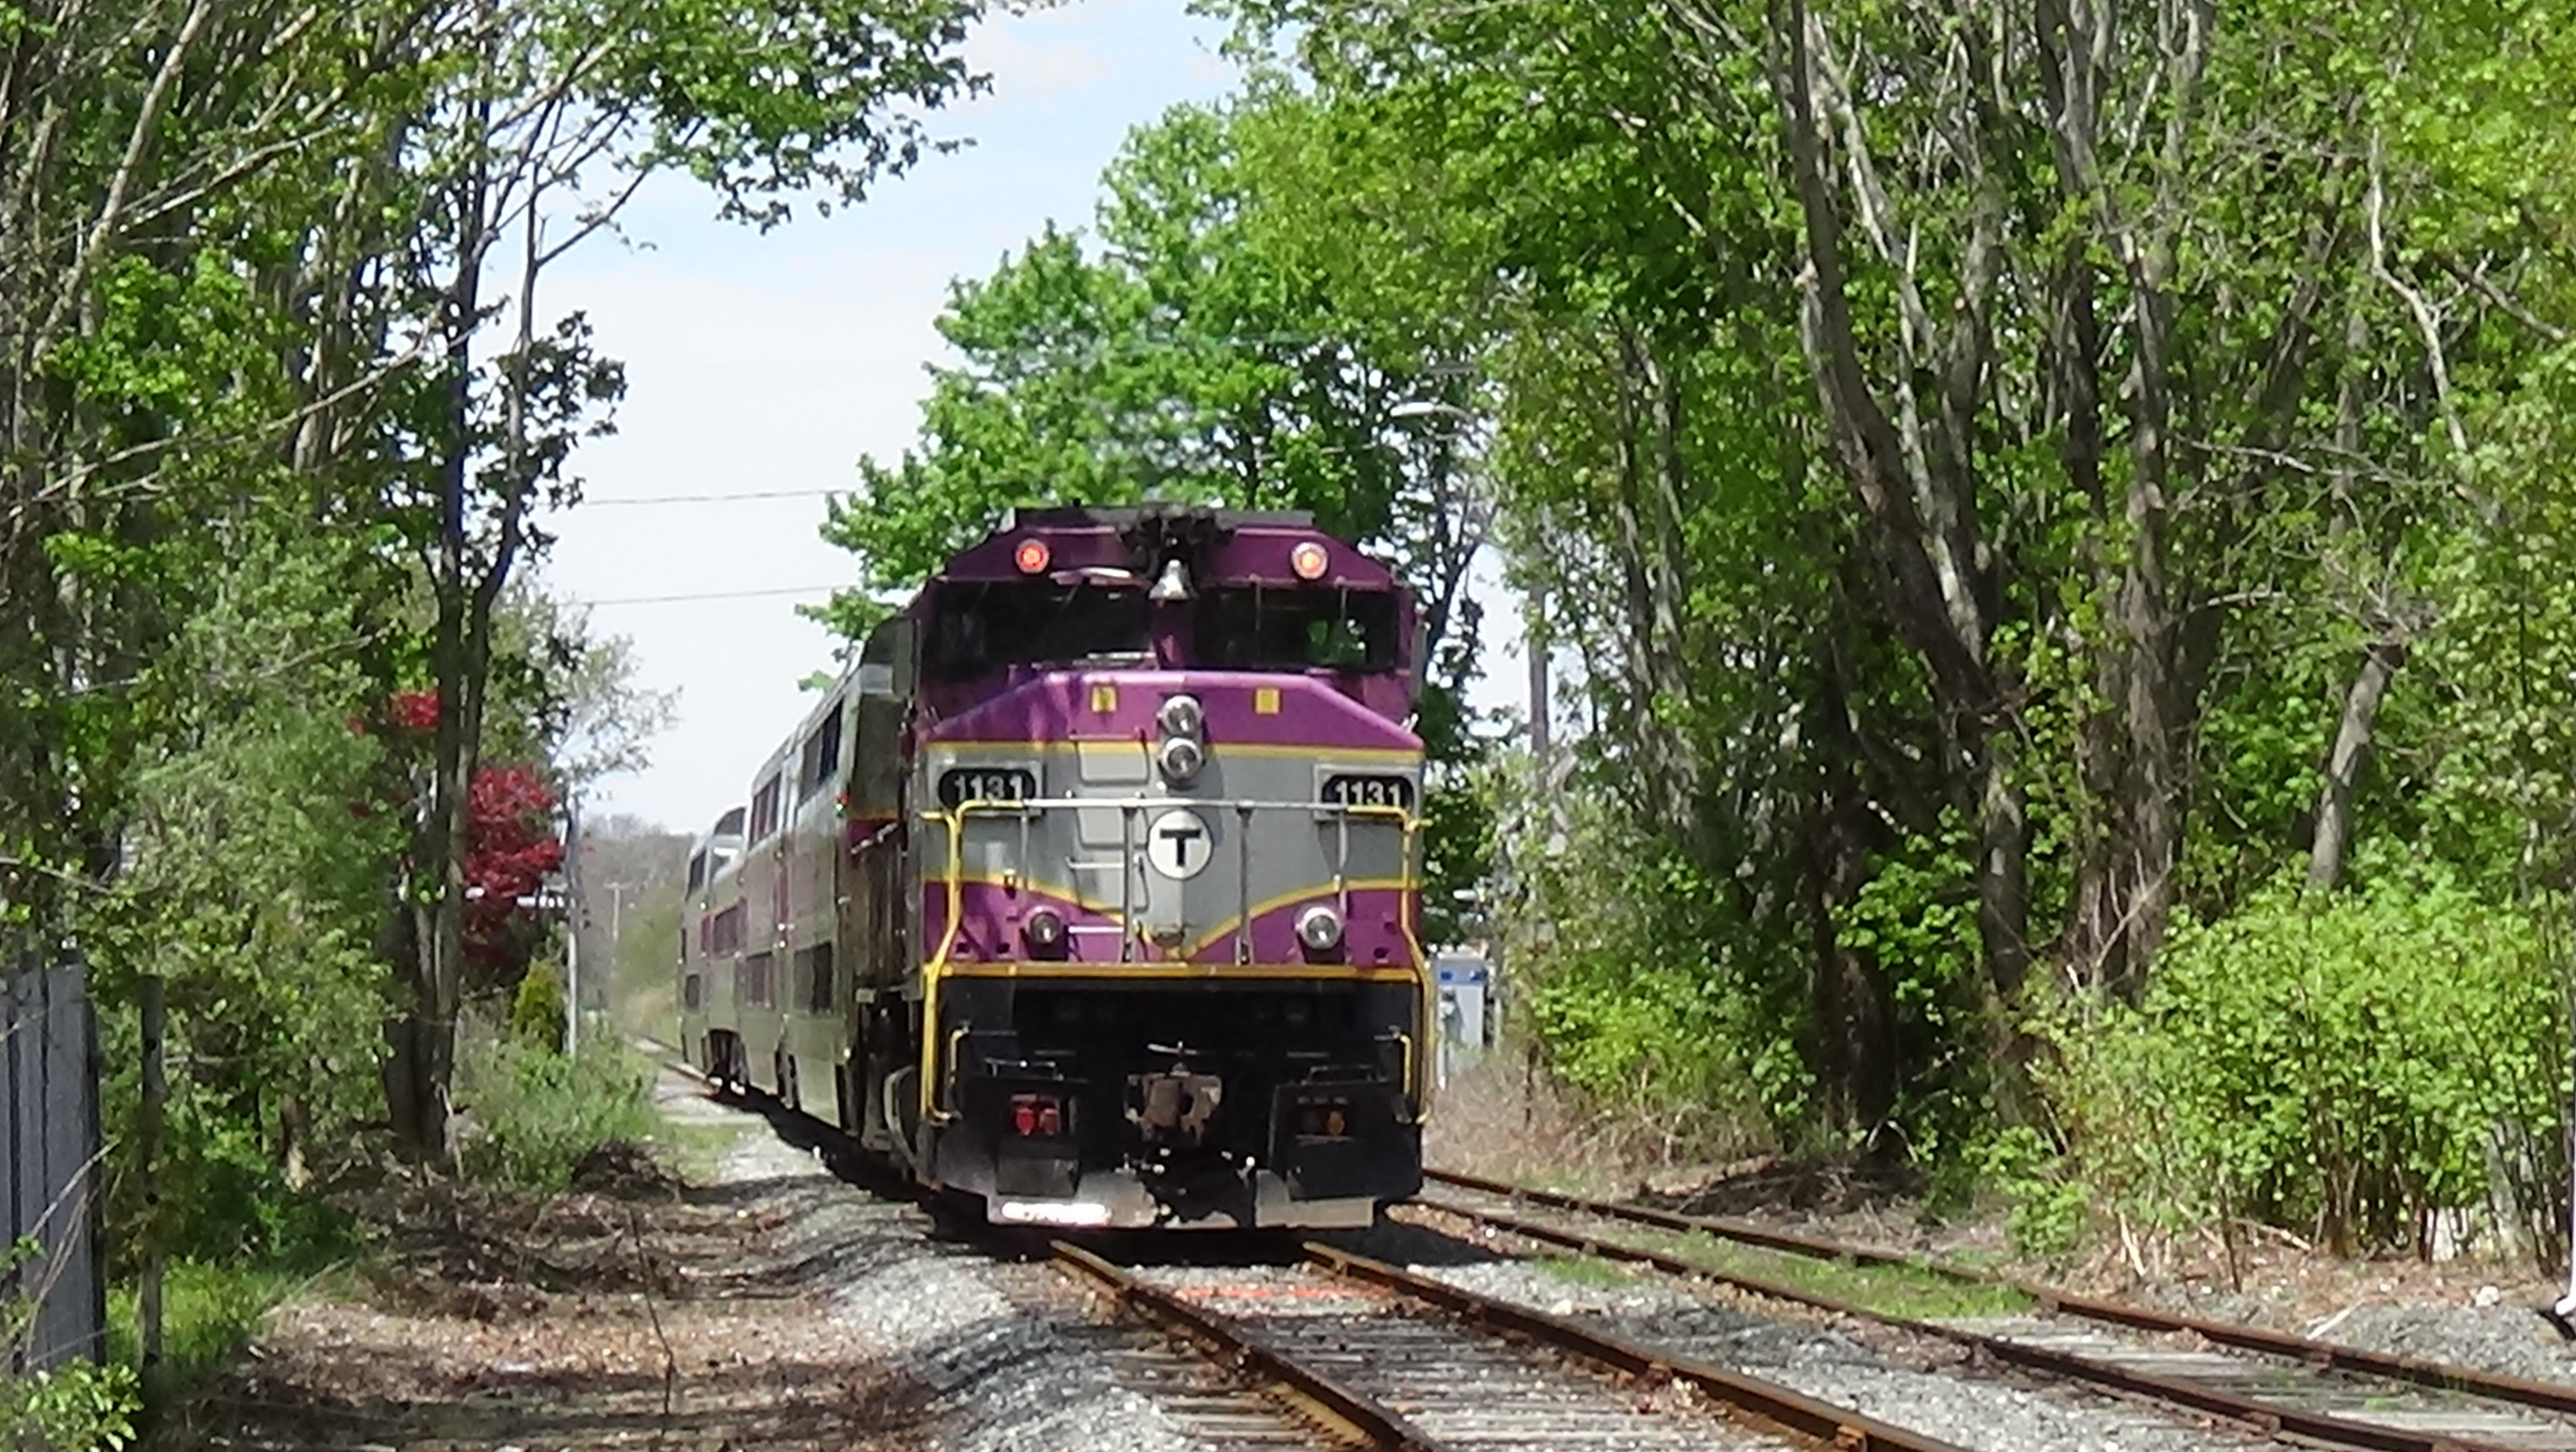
(2003, 868)
(2379, 665)
(422, 1060)
(1915, 488)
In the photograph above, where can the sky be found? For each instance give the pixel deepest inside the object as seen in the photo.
(773, 362)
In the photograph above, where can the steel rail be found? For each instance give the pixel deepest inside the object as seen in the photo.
(2268, 1417)
(2434, 1375)
(1768, 1402)
(1343, 1411)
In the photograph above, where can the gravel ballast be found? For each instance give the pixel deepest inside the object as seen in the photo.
(1988, 1413)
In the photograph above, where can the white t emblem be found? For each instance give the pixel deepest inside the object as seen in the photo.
(1178, 845)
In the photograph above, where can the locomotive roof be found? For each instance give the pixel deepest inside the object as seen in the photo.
(1124, 516)
(1229, 544)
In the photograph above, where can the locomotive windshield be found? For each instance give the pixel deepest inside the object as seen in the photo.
(983, 626)
(980, 626)
(1255, 627)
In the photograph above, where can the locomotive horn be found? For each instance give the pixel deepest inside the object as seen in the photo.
(1175, 584)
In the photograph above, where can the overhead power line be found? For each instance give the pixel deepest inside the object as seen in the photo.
(717, 595)
(707, 498)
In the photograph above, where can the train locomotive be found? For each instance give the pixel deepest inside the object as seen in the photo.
(1089, 896)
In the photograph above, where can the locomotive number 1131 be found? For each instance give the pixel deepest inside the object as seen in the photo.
(986, 784)
(1369, 791)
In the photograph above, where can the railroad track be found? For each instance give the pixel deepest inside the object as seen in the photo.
(1351, 1351)
(2263, 1381)
(1379, 1356)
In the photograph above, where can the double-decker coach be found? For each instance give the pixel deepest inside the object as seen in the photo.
(1090, 893)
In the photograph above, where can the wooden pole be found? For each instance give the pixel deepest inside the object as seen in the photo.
(156, 1096)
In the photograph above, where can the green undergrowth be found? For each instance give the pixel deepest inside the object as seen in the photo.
(537, 1113)
(209, 1311)
(693, 1152)
(1915, 1292)
(1584, 1270)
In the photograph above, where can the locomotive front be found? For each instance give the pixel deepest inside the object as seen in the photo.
(1167, 857)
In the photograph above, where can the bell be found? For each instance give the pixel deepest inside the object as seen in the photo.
(1175, 584)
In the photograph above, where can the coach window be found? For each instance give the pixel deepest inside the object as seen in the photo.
(697, 870)
(818, 978)
(764, 810)
(821, 755)
(977, 626)
(1264, 627)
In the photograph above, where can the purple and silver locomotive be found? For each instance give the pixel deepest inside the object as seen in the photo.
(1091, 893)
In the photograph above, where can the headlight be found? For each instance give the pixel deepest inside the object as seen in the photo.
(1043, 929)
(1319, 928)
(1182, 716)
(1180, 759)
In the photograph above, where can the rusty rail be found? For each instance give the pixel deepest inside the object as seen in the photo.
(2268, 1417)
(2432, 1375)
(1341, 1410)
(1762, 1401)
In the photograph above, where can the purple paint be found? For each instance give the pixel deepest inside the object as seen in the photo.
(1256, 550)
(1049, 706)
(990, 916)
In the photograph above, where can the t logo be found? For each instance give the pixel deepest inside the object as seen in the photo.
(1178, 845)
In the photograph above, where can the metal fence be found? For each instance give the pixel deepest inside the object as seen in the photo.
(49, 1158)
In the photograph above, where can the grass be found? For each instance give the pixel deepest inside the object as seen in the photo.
(693, 1151)
(208, 1311)
(537, 1113)
(1584, 1270)
(1908, 1291)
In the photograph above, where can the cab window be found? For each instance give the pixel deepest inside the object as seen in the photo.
(978, 626)
(1285, 628)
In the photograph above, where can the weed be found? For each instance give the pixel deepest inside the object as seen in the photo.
(1583, 1270)
(1915, 1292)
(536, 1113)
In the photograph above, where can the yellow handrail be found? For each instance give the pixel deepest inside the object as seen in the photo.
(1415, 1073)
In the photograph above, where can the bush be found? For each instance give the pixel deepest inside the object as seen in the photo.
(1657, 1006)
(2344, 1068)
(80, 1406)
(536, 1113)
(537, 1009)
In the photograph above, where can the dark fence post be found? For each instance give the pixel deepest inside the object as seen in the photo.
(49, 1159)
(156, 1095)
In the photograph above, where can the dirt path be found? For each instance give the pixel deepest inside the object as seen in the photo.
(633, 1311)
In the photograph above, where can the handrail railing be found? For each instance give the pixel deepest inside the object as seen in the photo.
(954, 818)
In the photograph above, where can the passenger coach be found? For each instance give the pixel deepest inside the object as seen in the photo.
(1090, 892)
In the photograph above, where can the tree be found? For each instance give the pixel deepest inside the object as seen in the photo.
(533, 139)
(2149, 406)
(1188, 355)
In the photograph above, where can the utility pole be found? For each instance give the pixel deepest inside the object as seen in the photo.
(574, 909)
(616, 928)
(1537, 643)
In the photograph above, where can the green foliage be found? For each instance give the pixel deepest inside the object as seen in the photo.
(254, 887)
(538, 1112)
(210, 1309)
(537, 1009)
(77, 1407)
(2345, 1066)
(1188, 353)
(2048, 1203)
(1176, 358)
(1649, 997)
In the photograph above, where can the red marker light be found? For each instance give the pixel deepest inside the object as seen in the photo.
(1036, 1116)
(1308, 560)
(1032, 556)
